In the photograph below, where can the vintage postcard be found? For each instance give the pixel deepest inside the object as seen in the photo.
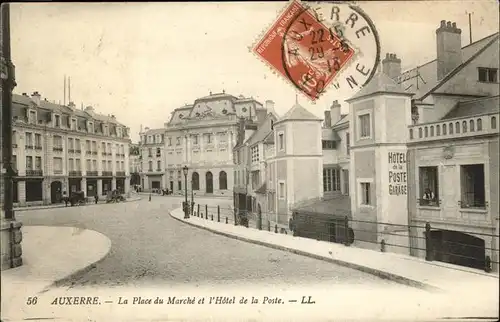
(250, 161)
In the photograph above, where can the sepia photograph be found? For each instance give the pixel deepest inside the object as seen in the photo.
(250, 161)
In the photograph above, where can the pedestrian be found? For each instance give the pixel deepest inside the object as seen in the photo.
(96, 198)
(65, 198)
(150, 196)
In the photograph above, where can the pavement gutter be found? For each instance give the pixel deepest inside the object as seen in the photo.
(382, 274)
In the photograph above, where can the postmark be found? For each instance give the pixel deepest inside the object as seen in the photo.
(318, 46)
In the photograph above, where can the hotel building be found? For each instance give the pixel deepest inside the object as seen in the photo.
(61, 148)
(417, 148)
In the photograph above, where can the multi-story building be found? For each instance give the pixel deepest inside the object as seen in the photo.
(152, 159)
(135, 163)
(417, 151)
(60, 149)
(201, 136)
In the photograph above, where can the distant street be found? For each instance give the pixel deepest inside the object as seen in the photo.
(150, 247)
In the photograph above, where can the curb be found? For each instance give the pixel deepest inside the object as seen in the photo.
(384, 275)
(21, 209)
(78, 272)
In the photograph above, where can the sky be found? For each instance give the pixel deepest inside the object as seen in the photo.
(140, 61)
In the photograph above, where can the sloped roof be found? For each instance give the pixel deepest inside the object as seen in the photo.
(262, 131)
(344, 119)
(423, 78)
(154, 131)
(339, 205)
(298, 113)
(380, 83)
(329, 134)
(269, 139)
(474, 107)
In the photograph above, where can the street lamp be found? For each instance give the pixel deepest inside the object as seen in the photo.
(186, 207)
(192, 197)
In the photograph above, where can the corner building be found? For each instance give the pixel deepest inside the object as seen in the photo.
(59, 148)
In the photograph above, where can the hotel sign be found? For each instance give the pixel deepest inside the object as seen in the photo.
(397, 173)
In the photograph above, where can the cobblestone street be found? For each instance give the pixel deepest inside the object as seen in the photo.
(151, 248)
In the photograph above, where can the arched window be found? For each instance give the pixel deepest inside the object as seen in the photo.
(222, 180)
(450, 127)
(195, 181)
(438, 130)
(420, 132)
(426, 131)
(411, 134)
(432, 130)
(479, 125)
(464, 127)
(493, 122)
(471, 126)
(444, 129)
(457, 127)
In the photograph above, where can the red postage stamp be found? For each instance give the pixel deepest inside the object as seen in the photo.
(304, 50)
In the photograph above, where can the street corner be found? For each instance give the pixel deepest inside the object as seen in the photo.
(66, 251)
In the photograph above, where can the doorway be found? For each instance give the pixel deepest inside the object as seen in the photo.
(56, 192)
(210, 182)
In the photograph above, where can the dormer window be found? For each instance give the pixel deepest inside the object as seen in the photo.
(57, 120)
(181, 116)
(32, 117)
(224, 111)
(105, 130)
(73, 124)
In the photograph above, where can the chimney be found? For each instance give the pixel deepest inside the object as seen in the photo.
(449, 48)
(36, 98)
(270, 106)
(71, 104)
(334, 113)
(328, 119)
(391, 66)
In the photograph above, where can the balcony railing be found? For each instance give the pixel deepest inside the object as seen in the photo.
(71, 150)
(429, 202)
(34, 173)
(120, 173)
(78, 151)
(92, 173)
(57, 149)
(94, 152)
(88, 152)
(58, 171)
(38, 147)
(75, 173)
(29, 146)
(454, 128)
(107, 173)
(110, 154)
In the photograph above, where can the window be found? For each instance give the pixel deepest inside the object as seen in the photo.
(282, 190)
(38, 163)
(29, 163)
(77, 145)
(38, 141)
(71, 164)
(88, 164)
(472, 125)
(328, 144)
(179, 185)
(150, 166)
(169, 141)
(195, 180)
(365, 193)
(110, 166)
(281, 141)
(429, 187)
(178, 141)
(348, 142)
(57, 142)
(487, 75)
(103, 165)
(345, 174)
(493, 123)
(91, 127)
(479, 124)
(78, 165)
(195, 139)
(57, 121)
(222, 137)
(255, 179)
(29, 140)
(32, 117)
(122, 165)
(472, 186)
(94, 146)
(158, 152)
(208, 138)
(94, 165)
(255, 153)
(222, 180)
(14, 162)
(158, 165)
(73, 124)
(87, 145)
(331, 180)
(150, 152)
(364, 125)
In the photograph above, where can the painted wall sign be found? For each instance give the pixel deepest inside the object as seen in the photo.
(397, 173)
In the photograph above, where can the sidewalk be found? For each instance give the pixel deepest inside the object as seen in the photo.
(49, 254)
(133, 197)
(402, 269)
(229, 197)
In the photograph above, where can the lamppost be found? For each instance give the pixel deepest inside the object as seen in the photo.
(186, 205)
(192, 197)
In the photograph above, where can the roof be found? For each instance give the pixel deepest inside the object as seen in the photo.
(422, 79)
(298, 113)
(154, 131)
(381, 83)
(329, 134)
(480, 106)
(339, 205)
(262, 131)
(269, 139)
(344, 119)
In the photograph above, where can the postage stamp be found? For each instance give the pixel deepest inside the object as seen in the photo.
(317, 45)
